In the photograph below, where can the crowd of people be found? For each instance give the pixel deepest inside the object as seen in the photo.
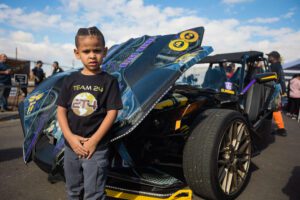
(37, 74)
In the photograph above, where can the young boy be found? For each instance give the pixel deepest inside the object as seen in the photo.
(88, 105)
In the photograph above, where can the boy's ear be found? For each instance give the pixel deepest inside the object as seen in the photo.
(76, 53)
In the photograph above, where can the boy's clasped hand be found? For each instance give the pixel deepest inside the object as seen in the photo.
(83, 147)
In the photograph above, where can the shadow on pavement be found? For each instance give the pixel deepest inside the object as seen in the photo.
(4, 116)
(253, 167)
(292, 187)
(10, 154)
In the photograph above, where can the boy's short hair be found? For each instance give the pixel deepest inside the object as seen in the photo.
(92, 31)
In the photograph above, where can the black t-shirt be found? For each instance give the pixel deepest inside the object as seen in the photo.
(276, 67)
(87, 99)
(5, 78)
(57, 70)
(39, 74)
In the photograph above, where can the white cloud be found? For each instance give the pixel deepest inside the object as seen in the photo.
(20, 18)
(3, 6)
(21, 36)
(288, 15)
(235, 1)
(264, 20)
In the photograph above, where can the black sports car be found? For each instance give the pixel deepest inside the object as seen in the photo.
(171, 138)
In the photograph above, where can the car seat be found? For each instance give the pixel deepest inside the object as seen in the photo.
(254, 97)
(214, 78)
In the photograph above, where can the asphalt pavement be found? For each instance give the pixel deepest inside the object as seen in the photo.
(276, 171)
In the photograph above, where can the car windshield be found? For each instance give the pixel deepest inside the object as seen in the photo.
(211, 76)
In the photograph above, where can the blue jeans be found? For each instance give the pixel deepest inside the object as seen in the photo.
(4, 93)
(86, 178)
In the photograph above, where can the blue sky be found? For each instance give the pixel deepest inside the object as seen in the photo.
(45, 29)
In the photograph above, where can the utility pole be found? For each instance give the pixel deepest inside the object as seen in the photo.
(16, 53)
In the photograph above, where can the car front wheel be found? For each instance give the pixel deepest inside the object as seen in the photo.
(217, 155)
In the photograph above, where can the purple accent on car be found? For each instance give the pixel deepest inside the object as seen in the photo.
(248, 86)
(36, 133)
(146, 44)
(128, 60)
(138, 52)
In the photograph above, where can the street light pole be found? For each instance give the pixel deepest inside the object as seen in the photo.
(16, 53)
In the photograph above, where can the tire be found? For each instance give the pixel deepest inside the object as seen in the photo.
(205, 155)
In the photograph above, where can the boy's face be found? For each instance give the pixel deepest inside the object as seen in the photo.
(3, 58)
(91, 52)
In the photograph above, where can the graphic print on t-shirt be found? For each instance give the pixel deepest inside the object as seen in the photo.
(84, 104)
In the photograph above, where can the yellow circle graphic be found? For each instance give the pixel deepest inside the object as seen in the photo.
(190, 36)
(178, 45)
(84, 104)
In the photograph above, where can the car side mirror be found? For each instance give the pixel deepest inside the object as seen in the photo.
(266, 77)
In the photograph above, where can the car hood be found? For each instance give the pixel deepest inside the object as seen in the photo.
(146, 69)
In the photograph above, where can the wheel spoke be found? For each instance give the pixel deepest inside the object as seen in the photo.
(234, 157)
(222, 162)
(242, 160)
(229, 181)
(241, 175)
(235, 180)
(244, 137)
(242, 170)
(224, 182)
(230, 134)
(223, 149)
(244, 147)
(221, 173)
(239, 136)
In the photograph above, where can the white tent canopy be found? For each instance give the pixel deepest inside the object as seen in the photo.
(293, 65)
(291, 68)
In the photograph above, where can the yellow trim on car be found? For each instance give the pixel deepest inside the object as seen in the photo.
(177, 124)
(269, 77)
(177, 98)
(227, 91)
(184, 194)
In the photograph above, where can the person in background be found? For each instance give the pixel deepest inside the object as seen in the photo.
(294, 96)
(275, 60)
(38, 73)
(5, 82)
(288, 105)
(230, 69)
(56, 68)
